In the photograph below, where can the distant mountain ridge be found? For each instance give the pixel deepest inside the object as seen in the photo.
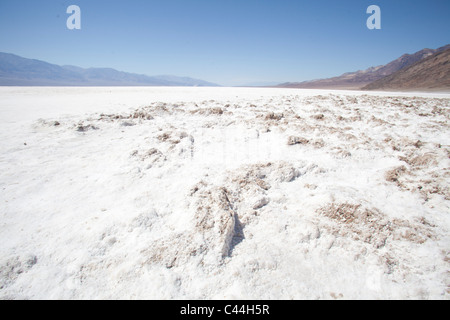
(362, 78)
(19, 71)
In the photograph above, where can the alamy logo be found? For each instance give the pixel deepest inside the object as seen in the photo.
(374, 21)
(74, 21)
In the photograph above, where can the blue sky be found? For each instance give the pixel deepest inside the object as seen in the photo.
(230, 42)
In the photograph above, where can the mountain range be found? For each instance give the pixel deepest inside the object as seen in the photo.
(19, 71)
(430, 73)
(433, 75)
(427, 69)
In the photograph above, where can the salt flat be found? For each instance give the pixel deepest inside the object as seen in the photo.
(223, 193)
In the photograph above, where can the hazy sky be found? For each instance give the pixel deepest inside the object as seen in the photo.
(230, 42)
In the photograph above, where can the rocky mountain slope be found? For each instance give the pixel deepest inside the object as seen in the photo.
(358, 79)
(431, 73)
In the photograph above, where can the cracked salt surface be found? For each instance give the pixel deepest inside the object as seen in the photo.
(213, 193)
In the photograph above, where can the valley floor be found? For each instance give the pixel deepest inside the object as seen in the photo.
(223, 193)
